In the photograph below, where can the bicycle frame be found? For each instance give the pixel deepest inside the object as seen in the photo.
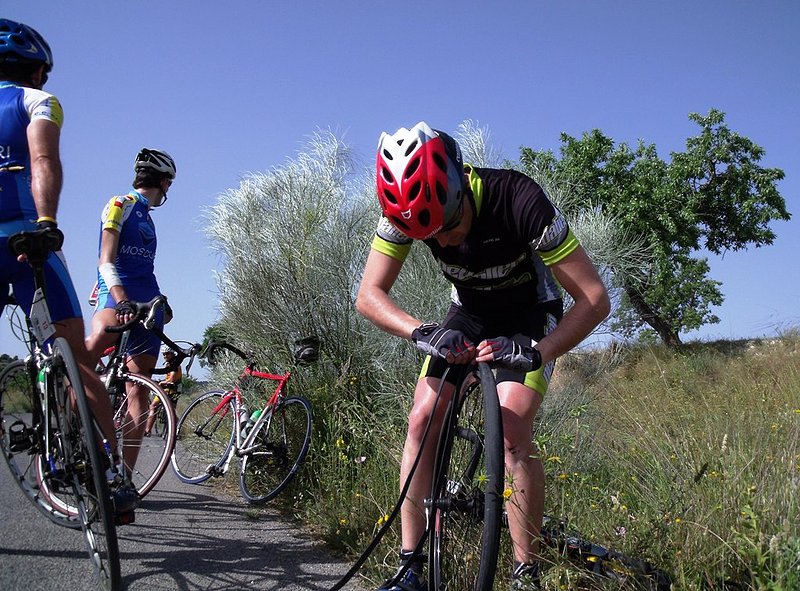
(242, 447)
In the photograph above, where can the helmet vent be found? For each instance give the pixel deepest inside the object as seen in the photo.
(414, 192)
(387, 154)
(424, 218)
(389, 197)
(411, 147)
(441, 193)
(412, 168)
(387, 175)
(437, 158)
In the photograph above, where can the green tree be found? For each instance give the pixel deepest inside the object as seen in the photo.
(713, 196)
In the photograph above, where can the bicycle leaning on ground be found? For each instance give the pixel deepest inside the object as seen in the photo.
(465, 512)
(152, 453)
(49, 437)
(272, 442)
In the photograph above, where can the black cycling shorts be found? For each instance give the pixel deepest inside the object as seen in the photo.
(532, 321)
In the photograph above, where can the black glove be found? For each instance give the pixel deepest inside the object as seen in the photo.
(512, 355)
(53, 237)
(435, 340)
(126, 307)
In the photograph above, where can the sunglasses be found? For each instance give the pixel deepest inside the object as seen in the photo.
(455, 219)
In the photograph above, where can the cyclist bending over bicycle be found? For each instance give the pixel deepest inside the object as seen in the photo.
(126, 275)
(170, 384)
(506, 249)
(30, 186)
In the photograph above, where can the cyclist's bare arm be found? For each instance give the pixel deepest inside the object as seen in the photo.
(373, 300)
(46, 171)
(578, 276)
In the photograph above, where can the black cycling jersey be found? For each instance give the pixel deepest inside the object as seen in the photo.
(516, 234)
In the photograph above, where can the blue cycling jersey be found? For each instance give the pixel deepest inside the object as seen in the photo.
(19, 106)
(136, 251)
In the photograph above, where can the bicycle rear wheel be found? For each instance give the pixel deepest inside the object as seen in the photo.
(205, 437)
(280, 444)
(84, 470)
(466, 499)
(20, 424)
(152, 453)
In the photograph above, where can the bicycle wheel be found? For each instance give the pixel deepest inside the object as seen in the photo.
(83, 468)
(160, 422)
(152, 454)
(466, 497)
(205, 437)
(279, 445)
(21, 426)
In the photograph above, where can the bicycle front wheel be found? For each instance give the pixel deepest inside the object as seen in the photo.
(278, 447)
(205, 437)
(145, 458)
(466, 498)
(83, 469)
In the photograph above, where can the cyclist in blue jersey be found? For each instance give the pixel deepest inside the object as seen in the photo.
(126, 275)
(508, 252)
(30, 186)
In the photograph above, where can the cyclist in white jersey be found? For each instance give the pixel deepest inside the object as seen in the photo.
(30, 186)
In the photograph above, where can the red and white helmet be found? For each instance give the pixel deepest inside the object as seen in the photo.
(420, 178)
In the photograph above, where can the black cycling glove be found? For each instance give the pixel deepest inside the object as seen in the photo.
(510, 354)
(126, 307)
(438, 341)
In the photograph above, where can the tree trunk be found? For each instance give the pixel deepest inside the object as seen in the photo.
(668, 336)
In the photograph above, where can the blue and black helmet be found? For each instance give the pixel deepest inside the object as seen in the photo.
(21, 43)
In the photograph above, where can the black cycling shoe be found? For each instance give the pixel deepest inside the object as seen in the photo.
(126, 497)
(526, 578)
(410, 581)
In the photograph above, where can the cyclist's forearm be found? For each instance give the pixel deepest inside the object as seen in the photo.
(377, 307)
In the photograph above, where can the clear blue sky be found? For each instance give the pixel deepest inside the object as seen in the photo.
(236, 87)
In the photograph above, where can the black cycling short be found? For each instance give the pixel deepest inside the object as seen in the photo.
(531, 321)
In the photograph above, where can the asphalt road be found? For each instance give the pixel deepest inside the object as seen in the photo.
(185, 537)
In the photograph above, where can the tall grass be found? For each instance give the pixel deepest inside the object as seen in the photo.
(689, 459)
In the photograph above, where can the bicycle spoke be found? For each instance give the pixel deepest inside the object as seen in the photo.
(280, 445)
(204, 438)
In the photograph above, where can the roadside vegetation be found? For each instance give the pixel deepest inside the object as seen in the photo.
(687, 456)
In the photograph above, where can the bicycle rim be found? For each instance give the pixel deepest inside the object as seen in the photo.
(280, 443)
(152, 454)
(466, 505)
(204, 438)
(84, 471)
(20, 443)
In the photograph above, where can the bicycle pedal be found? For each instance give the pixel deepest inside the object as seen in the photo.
(125, 518)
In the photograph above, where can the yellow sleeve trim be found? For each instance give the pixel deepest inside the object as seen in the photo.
(114, 213)
(551, 257)
(396, 251)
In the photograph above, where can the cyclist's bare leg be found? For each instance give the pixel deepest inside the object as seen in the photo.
(138, 408)
(72, 330)
(99, 340)
(413, 511)
(525, 472)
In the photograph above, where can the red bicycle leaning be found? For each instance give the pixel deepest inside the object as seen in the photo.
(271, 443)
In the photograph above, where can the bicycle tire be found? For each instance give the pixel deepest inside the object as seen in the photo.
(160, 423)
(84, 470)
(204, 438)
(21, 443)
(154, 453)
(466, 497)
(281, 443)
